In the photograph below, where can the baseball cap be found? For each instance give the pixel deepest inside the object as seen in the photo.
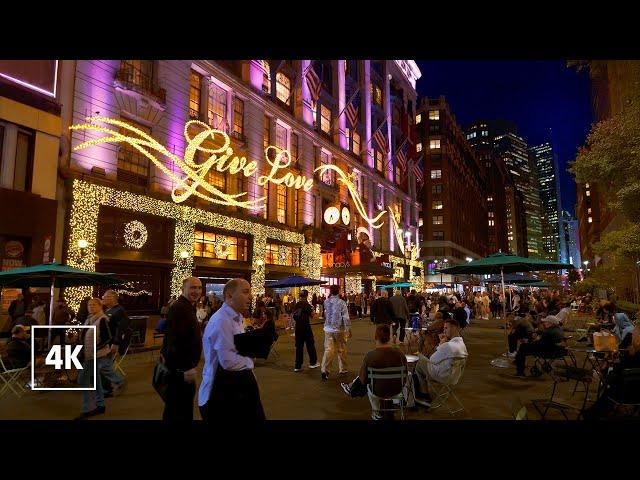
(551, 319)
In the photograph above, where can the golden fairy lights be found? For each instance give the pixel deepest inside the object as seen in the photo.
(83, 224)
(135, 234)
(396, 230)
(353, 284)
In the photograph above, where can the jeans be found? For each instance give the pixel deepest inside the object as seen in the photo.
(109, 376)
(304, 336)
(92, 399)
(334, 343)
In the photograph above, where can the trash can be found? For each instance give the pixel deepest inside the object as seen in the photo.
(138, 327)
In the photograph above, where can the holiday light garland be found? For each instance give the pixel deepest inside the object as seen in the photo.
(130, 230)
(221, 247)
(353, 283)
(83, 224)
(396, 230)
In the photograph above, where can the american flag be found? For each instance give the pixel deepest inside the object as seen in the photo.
(417, 171)
(314, 84)
(352, 115)
(381, 138)
(401, 156)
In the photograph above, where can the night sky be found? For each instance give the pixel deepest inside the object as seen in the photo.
(536, 95)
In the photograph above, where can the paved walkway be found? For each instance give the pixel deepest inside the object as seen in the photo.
(485, 391)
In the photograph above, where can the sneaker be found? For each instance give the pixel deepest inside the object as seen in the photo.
(376, 416)
(512, 354)
(316, 365)
(324, 375)
(346, 389)
(424, 403)
(297, 369)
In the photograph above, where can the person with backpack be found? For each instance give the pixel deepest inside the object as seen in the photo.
(302, 313)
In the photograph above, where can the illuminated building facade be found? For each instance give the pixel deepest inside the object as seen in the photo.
(336, 125)
(548, 177)
(569, 240)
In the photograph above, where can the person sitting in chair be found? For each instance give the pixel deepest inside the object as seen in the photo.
(18, 348)
(440, 365)
(383, 356)
(548, 343)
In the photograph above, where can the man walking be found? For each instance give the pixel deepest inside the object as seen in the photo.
(382, 310)
(229, 390)
(302, 313)
(120, 334)
(400, 313)
(337, 330)
(181, 351)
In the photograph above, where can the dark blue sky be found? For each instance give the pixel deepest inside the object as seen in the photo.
(536, 95)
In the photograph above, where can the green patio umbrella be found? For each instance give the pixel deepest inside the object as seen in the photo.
(504, 263)
(54, 275)
(540, 284)
(397, 285)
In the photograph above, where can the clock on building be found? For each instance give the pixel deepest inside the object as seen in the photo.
(331, 215)
(346, 215)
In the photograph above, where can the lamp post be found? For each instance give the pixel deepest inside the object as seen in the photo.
(446, 260)
(586, 265)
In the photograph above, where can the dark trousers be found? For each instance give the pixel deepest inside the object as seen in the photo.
(305, 336)
(402, 322)
(234, 397)
(528, 349)
(517, 334)
(358, 311)
(179, 404)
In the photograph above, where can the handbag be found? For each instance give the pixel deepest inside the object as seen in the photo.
(604, 342)
(160, 381)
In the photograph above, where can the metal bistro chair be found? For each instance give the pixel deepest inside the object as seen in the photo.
(117, 362)
(628, 405)
(444, 391)
(543, 405)
(389, 404)
(11, 379)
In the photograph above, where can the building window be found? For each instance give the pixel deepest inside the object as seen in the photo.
(438, 235)
(437, 205)
(491, 214)
(283, 88)
(438, 219)
(436, 189)
(217, 179)
(327, 175)
(489, 199)
(195, 88)
(589, 210)
(588, 193)
(355, 141)
(418, 118)
(590, 220)
(434, 144)
(418, 147)
(281, 136)
(238, 118)
(434, 114)
(281, 210)
(294, 148)
(325, 119)
(586, 185)
(217, 108)
(282, 255)
(398, 174)
(491, 223)
(376, 94)
(471, 135)
(266, 132)
(485, 133)
(379, 160)
(266, 77)
(205, 242)
(133, 166)
(436, 174)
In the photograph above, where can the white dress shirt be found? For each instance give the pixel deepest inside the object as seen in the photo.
(219, 347)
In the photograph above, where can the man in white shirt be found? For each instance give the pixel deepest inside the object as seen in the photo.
(229, 390)
(440, 366)
(336, 330)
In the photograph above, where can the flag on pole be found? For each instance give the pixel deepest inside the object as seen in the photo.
(417, 171)
(314, 84)
(352, 112)
(401, 156)
(381, 138)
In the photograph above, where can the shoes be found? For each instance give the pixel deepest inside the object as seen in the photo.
(512, 354)
(316, 365)
(96, 411)
(343, 372)
(297, 369)
(346, 389)
(324, 375)
(119, 388)
(376, 416)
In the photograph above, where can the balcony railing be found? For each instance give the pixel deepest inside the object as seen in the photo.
(135, 79)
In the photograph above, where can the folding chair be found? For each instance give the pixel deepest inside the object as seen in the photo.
(395, 403)
(11, 379)
(444, 391)
(543, 363)
(117, 362)
(628, 405)
(156, 335)
(519, 410)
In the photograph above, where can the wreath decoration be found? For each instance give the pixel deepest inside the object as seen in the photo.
(135, 234)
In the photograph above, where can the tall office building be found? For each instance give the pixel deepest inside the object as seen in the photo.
(546, 162)
(569, 241)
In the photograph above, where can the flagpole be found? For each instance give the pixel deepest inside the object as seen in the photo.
(345, 107)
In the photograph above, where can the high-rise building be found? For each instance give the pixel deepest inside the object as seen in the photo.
(546, 162)
(513, 150)
(454, 209)
(569, 240)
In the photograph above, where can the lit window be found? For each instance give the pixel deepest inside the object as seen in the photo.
(325, 119)
(437, 188)
(194, 95)
(491, 223)
(588, 193)
(379, 160)
(438, 235)
(586, 185)
(294, 147)
(437, 205)
(266, 76)
(356, 143)
(471, 135)
(590, 220)
(436, 174)
(491, 214)
(418, 118)
(238, 117)
(434, 114)
(217, 108)
(433, 144)
(204, 246)
(438, 219)
(419, 147)
(282, 203)
(489, 199)
(283, 88)
(327, 175)
(485, 133)
(589, 210)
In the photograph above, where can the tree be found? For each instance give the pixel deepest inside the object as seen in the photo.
(573, 276)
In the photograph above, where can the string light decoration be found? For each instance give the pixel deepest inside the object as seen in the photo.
(83, 224)
(134, 294)
(282, 254)
(135, 234)
(221, 247)
(311, 264)
(353, 283)
(396, 230)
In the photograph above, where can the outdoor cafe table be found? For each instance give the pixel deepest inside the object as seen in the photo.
(411, 365)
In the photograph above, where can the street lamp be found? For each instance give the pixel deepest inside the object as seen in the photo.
(469, 259)
(586, 265)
